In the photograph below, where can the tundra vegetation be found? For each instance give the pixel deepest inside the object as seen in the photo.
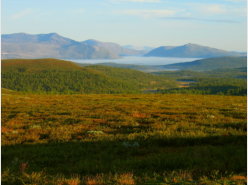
(123, 139)
(85, 137)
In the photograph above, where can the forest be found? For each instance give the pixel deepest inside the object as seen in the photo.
(50, 76)
(208, 64)
(222, 86)
(224, 81)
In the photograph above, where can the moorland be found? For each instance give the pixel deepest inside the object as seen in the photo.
(62, 123)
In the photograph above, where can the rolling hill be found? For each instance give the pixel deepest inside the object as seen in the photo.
(142, 80)
(128, 66)
(53, 76)
(210, 64)
(189, 51)
(22, 45)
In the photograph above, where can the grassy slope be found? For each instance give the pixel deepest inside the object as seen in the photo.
(181, 138)
(5, 91)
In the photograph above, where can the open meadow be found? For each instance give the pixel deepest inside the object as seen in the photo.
(123, 139)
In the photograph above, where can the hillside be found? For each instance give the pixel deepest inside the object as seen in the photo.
(218, 73)
(112, 64)
(142, 80)
(189, 51)
(210, 64)
(225, 81)
(32, 65)
(8, 92)
(22, 45)
(115, 48)
(123, 139)
(53, 76)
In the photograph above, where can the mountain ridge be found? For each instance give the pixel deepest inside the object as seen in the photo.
(115, 48)
(52, 45)
(189, 51)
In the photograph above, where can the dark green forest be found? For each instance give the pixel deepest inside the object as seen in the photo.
(218, 73)
(222, 82)
(214, 86)
(143, 80)
(208, 64)
(65, 82)
(52, 76)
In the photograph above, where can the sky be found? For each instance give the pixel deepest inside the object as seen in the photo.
(220, 24)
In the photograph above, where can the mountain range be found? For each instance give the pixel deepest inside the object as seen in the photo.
(22, 45)
(52, 45)
(190, 51)
(115, 48)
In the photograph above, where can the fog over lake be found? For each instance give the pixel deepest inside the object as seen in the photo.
(138, 60)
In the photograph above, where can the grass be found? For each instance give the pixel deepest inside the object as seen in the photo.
(78, 139)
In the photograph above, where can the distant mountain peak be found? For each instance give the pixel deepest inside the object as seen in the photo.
(92, 40)
(54, 33)
(22, 33)
(190, 50)
(191, 44)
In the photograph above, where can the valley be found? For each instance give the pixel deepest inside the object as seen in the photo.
(70, 123)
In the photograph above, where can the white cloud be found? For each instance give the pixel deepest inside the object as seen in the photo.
(219, 9)
(239, 12)
(212, 9)
(236, 1)
(20, 14)
(150, 13)
(78, 11)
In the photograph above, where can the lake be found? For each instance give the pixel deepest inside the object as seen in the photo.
(138, 60)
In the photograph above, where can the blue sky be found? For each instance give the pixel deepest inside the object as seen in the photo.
(220, 24)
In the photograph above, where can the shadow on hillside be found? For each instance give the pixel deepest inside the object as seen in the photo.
(199, 155)
(238, 126)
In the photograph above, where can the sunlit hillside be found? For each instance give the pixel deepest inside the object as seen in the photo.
(123, 139)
